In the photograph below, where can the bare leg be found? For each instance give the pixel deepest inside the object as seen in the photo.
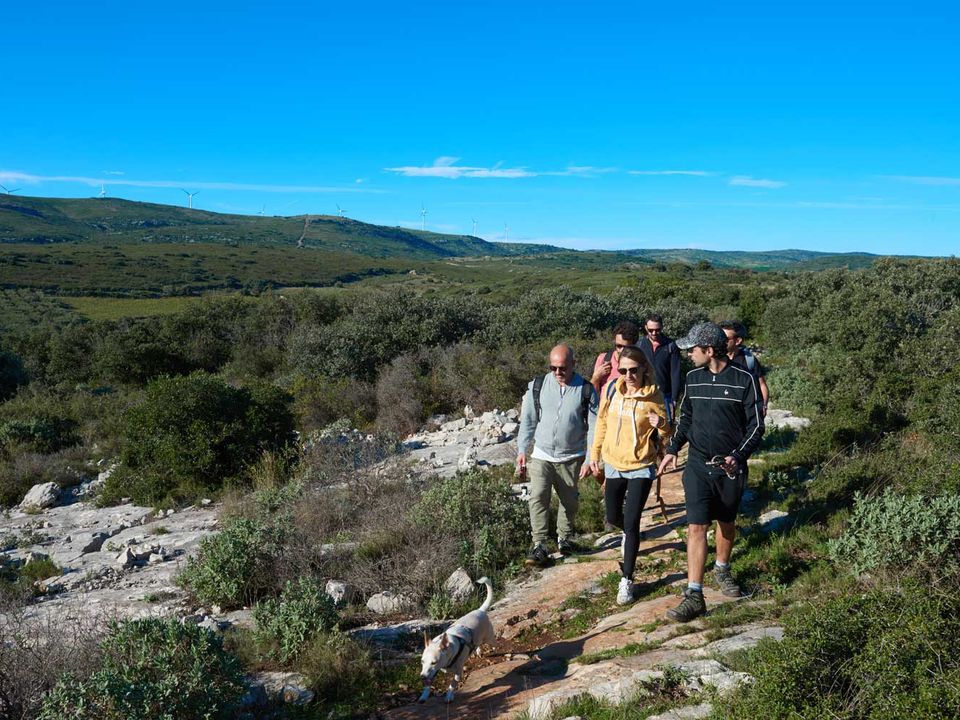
(696, 552)
(726, 534)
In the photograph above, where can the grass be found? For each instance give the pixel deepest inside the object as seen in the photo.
(104, 308)
(627, 650)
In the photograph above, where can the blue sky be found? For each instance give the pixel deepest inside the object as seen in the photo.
(749, 126)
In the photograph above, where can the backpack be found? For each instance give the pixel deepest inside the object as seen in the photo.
(586, 398)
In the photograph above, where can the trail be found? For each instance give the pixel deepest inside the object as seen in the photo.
(531, 663)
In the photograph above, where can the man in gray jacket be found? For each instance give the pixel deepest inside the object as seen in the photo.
(558, 416)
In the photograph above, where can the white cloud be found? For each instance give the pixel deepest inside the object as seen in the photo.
(747, 181)
(694, 173)
(6, 175)
(924, 179)
(446, 167)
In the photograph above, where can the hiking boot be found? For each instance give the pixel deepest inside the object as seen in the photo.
(538, 556)
(728, 586)
(625, 592)
(692, 606)
(568, 547)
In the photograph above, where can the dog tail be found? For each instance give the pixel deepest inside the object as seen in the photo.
(486, 603)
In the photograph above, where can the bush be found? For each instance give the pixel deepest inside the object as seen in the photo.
(12, 374)
(893, 531)
(235, 566)
(191, 434)
(340, 670)
(25, 469)
(287, 623)
(479, 511)
(153, 670)
(884, 655)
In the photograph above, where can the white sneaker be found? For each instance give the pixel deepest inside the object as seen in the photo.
(625, 592)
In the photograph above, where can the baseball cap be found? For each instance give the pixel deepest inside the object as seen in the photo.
(706, 334)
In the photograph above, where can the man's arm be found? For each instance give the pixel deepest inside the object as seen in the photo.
(593, 419)
(528, 422)
(679, 438)
(601, 371)
(598, 433)
(676, 381)
(753, 432)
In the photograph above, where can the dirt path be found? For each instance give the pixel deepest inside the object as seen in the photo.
(529, 660)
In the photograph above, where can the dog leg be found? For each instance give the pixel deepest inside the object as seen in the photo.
(425, 694)
(452, 688)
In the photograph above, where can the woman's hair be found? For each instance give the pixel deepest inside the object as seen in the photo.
(646, 370)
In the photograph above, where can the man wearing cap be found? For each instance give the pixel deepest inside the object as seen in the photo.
(720, 418)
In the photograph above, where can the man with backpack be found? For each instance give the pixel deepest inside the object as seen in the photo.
(558, 416)
(606, 366)
(741, 356)
(662, 353)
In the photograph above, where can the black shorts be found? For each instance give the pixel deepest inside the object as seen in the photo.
(710, 495)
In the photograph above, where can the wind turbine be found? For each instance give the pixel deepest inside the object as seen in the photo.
(339, 210)
(423, 217)
(505, 231)
(263, 209)
(474, 227)
(103, 192)
(190, 197)
(8, 191)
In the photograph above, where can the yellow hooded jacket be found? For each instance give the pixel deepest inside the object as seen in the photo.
(623, 436)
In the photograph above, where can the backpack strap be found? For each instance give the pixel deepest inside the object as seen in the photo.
(586, 398)
(611, 390)
(750, 360)
(537, 387)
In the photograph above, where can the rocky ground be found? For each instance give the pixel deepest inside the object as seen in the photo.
(121, 562)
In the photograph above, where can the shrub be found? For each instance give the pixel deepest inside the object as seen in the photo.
(193, 433)
(893, 531)
(12, 374)
(340, 670)
(25, 469)
(45, 434)
(153, 670)
(287, 623)
(235, 566)
(886, 654)
(479, 511)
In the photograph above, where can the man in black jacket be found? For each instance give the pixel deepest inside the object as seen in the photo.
(663, 354)
(720, 418)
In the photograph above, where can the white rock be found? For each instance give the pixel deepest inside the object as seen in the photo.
(454, 425)
(41, 496)
(468, 460)
(387, 603)
(341, 593)
(512, 414)
(773, 520)
(689, 712)
(468, 412)
(510, 428)
(459, 586)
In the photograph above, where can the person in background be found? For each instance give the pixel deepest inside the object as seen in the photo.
(740, 356)
(664, 356)
(558, 416)
(720, 418)
(606, 366)
(624, 453)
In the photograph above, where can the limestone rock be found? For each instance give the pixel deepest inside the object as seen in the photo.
(513, 414)
(41, 496)
(468, 460)
(454, 425)
(510, 428)
(773, 520)
(468, 412)
(459, 586)
(689, 712)
(388, 603)
(341, 593)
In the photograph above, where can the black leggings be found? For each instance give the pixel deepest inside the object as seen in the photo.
(624, 500)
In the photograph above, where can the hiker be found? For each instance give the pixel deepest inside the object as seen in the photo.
(605, 369)
(720, 418)
(624, 453)
(558, 416)
(664, 356)
(741, 356)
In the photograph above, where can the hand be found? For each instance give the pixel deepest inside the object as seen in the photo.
(763, 410)
(730, 466)
(521, 465)
(602, 373)
(654, 419)
(669, 462)
(586, 469)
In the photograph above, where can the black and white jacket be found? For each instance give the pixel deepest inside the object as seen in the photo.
(720, 414)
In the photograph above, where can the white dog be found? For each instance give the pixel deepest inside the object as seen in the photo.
(449, 650)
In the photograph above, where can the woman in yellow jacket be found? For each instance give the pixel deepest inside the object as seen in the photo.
(624, 452)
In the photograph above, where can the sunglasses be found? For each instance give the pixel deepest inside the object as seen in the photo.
(635, 370)
(558, 368)
(651, 331)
